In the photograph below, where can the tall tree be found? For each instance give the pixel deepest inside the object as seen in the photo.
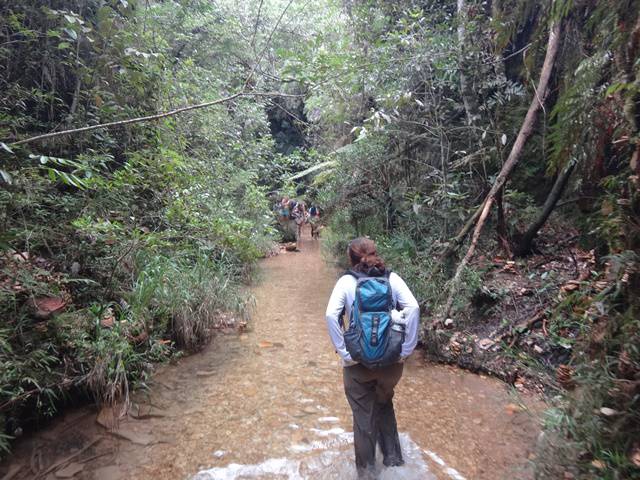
(526, 130)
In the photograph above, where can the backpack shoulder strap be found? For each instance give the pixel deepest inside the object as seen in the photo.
(354, 274)
(387, 274)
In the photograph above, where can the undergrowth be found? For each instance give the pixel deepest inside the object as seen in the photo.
(107, 350)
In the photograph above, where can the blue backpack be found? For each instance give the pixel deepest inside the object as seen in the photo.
(372, 338)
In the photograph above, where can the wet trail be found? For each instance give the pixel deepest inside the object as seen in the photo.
(269, 404)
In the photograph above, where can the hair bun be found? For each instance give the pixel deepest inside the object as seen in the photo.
(369, 259)
(363, 255)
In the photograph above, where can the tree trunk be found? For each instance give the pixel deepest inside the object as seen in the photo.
(524, 247)
(525, 132)
(455, 242)
(501, 227)
(469, 100)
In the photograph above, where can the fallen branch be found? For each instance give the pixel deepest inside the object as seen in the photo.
(525, 132)
(66, 382)
(150, 117)
(13, 471)
(66, 460)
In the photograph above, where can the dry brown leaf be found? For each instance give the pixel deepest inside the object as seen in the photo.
(512, 408)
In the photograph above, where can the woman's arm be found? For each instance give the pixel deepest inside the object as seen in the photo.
(332, 317)
(410, 310)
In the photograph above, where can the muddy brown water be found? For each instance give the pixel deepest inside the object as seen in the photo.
(269, 404)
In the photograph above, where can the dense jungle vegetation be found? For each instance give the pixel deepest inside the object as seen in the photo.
(492, 148)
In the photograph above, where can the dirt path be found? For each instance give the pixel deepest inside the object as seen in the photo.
(269, 404)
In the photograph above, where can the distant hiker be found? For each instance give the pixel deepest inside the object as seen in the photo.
(284, 211)
(314, 221)
(299, 214)
(382, 331)
(292, 205)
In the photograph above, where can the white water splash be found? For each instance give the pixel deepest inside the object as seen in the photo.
(339, 440)
(328, 419)
(273, 466)
(331, 459)
(327, 433)
(452, 472)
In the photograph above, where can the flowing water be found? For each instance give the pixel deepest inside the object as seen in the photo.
(269, 404)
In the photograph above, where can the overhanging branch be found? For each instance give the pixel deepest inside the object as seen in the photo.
(148, 118)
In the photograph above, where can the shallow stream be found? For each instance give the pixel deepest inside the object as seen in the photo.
(269, 404)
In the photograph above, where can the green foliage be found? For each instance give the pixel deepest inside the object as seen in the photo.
(145, 233)
(176, 295)
(595, 428)
(424, 107)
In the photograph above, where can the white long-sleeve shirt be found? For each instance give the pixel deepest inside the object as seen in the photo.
(342, 297)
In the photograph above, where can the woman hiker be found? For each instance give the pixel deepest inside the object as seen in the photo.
(299, 215)
(314, 221)
(369, 391)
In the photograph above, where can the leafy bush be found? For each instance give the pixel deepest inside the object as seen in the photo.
(144, 234)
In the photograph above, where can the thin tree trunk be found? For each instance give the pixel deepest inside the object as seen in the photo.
(455, 242)
(514, 156)
(469, 100)
(76, 97)
(501, 228)
(524, 247)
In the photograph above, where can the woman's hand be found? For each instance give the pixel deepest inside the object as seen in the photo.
(398, 317)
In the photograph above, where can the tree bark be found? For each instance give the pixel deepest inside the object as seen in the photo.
(469, 100)
(501, 227)
(524, 247)
(524, 134)
(455, 242)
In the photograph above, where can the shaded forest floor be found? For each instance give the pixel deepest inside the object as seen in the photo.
(516, 325)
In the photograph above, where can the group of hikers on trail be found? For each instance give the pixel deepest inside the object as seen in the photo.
(294, 215)
(382, 331)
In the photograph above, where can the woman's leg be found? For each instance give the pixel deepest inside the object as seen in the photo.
(360, 388)
(387, 434)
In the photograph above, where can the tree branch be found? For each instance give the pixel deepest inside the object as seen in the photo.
(150, 117)
(526, 243)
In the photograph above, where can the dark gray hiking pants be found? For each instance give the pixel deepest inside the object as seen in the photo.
(370, 394)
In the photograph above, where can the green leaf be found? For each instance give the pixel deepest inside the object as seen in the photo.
(63, 45)
(6, 176)
(317, 167)
(616, 87)
(71, 33)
